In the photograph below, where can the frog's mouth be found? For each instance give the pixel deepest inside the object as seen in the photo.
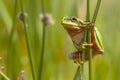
(72, 27)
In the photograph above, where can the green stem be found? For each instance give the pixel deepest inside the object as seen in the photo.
(42, 54)
(4, 76)
(90, 54)
(88, 11)
(82, 65)
(10, 43)
(43, 42)
(83, 58)
(28, 43)
(13, 24)
(89, 40)
(77, 73)
(96, 11)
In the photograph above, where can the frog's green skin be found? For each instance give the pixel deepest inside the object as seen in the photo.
(76, 29)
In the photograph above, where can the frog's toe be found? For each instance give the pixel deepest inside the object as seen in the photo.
(87, 44)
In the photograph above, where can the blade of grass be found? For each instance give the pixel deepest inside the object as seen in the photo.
(96, 11)
(90, 53)
(89, 33)
(89, 40)
(77, 73)
(28, 43)
(4, 76)
(4, 14)
(42, 53)
(43, 42)
(13, 24)
(10, 43)
(88, 11)
(83, 58)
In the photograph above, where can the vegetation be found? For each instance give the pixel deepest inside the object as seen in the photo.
(15, 61)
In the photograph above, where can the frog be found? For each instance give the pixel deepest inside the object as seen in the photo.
(76, 28)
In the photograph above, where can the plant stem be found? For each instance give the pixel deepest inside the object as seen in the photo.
(96, 11)
(82, 59)
(88, 11)
(89, 40)
(10, 43)
(43, 42)
(4, 76)
(28, 43)
(90, 54)
(77, 73)
(13, 24)
(42, 54)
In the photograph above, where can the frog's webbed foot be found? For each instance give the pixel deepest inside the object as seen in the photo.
(78, 61)
(84, 45)
(87, 25)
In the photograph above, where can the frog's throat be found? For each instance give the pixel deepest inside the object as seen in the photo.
(77, 37)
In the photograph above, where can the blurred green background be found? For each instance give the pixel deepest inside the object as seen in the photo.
(58, 46)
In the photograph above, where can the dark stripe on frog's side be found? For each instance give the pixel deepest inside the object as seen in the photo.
(95, 47)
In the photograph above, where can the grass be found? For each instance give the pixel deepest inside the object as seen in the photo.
(56, 64)
(27, 41)
(4, 76)
(43, 41)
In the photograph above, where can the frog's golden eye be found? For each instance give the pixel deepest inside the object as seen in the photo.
(73, 19)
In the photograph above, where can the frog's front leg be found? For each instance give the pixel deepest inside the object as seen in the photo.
(86, 25)
(85, 44)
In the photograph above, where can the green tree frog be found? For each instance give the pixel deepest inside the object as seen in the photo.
(76, 29)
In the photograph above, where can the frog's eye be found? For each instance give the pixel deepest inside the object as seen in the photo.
(73, 19)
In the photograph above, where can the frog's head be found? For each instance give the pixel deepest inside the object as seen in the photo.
(72, 23)
(74, 27)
